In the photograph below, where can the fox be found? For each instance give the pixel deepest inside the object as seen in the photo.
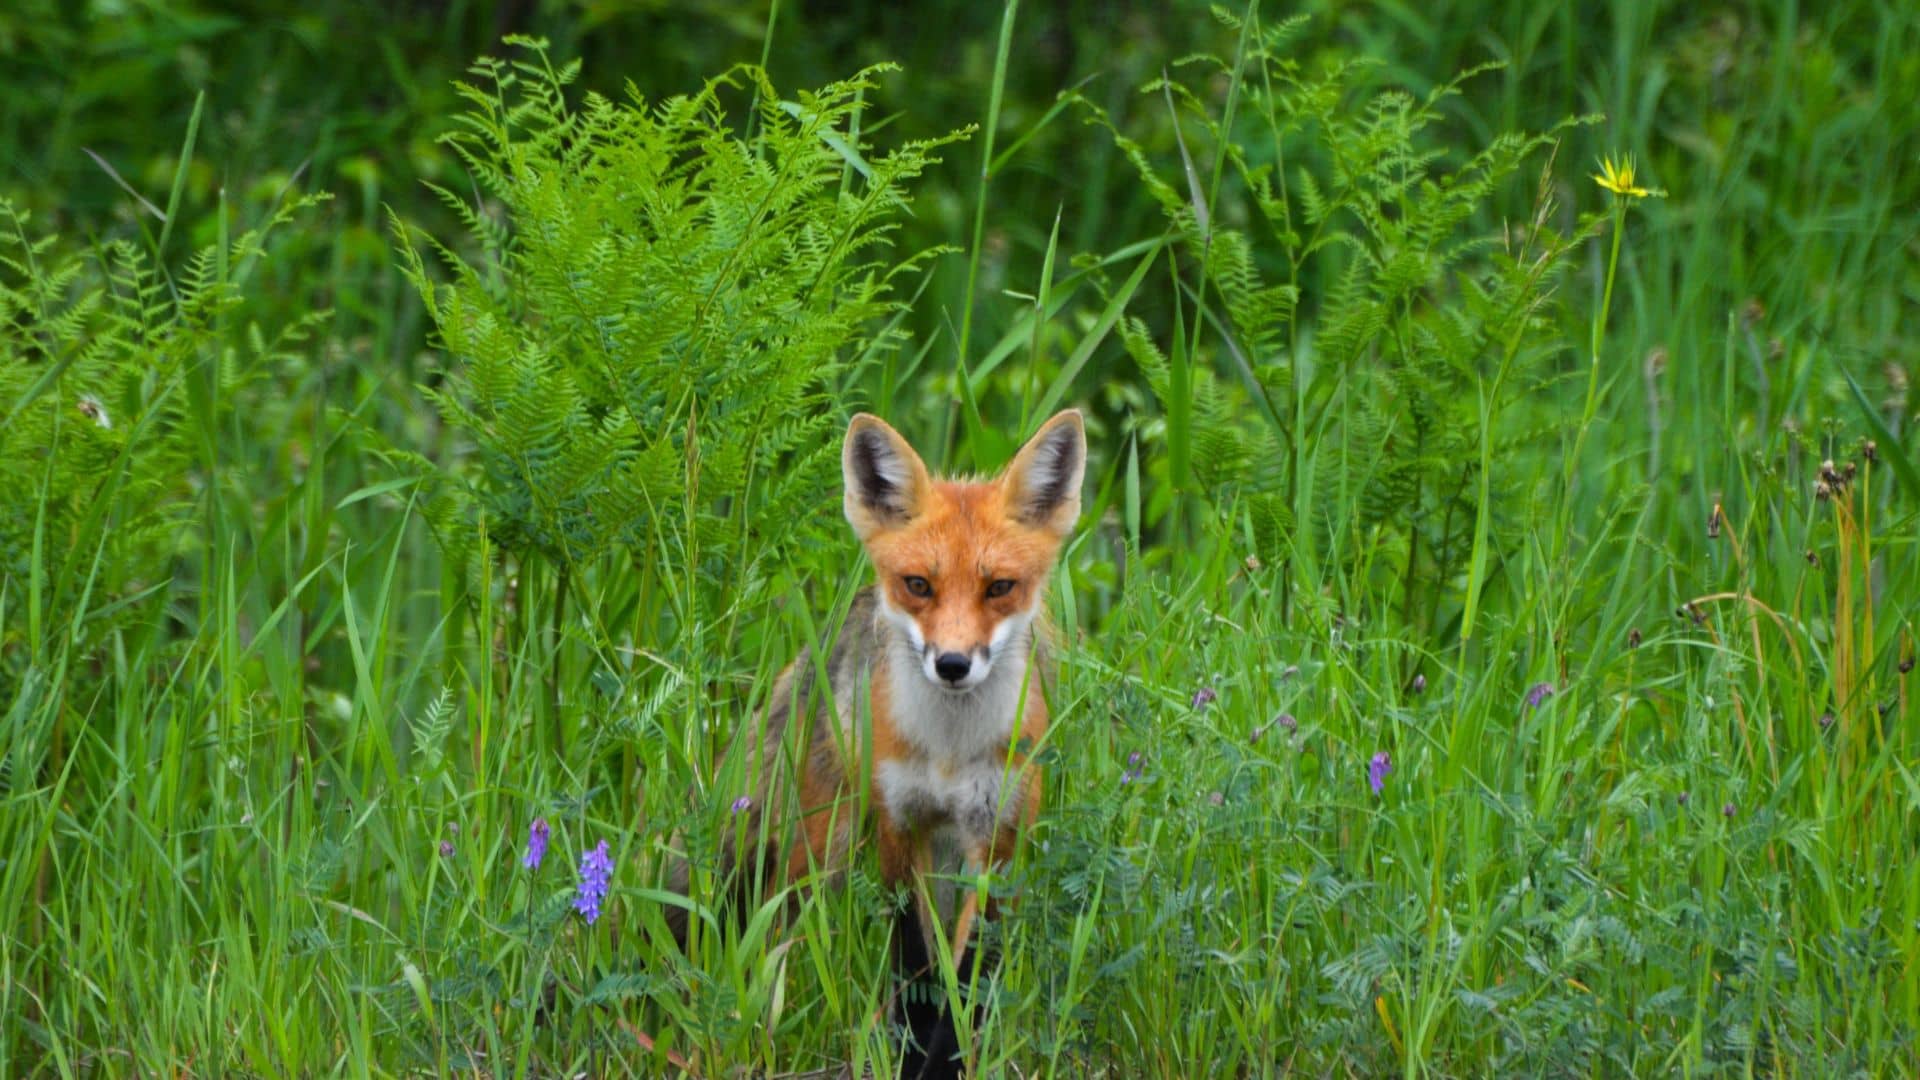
(936, 695)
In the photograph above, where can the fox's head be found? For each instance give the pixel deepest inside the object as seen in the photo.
(962, 564)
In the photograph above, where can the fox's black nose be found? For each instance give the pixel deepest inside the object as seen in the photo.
(952, 666)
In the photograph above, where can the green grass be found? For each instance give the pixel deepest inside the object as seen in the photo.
(247, 694)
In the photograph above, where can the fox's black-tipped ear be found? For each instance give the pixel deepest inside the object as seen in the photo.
(1043, 482)
(885, 480)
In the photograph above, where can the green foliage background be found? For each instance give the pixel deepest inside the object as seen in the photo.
(395, 449)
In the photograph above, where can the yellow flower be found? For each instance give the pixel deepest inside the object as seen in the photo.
(1618, 178)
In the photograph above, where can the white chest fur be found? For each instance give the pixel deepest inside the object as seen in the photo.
(975, 799)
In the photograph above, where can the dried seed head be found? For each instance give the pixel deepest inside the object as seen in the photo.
(1849, 471)
(1633, 638)
(1906, 664)
(1753, 312)
(91, 408)
(1253, 564)
(1682, 798)
(1822, 491)
(1869, 450)
(1776, 348)
(1656, 361)
(1813, 558)
(1826, 721)
(1713, 523)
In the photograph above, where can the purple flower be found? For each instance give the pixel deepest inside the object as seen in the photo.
(1133, 758)
(742, 804)
(537, 835)
(1419, 684)
(1203, 697)
(1377, 771)
(1287, 723)
(1729, 810)
(446, 849)
(595, 868)
(1538, 693)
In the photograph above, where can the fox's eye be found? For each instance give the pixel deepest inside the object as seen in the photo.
(1000, 588)
(918, 586)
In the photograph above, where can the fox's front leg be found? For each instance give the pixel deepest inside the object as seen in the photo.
(905, 859)
(985, 855)
(933, 1045)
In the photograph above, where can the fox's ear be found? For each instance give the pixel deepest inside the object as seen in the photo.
(1043, 482)
(885, 479)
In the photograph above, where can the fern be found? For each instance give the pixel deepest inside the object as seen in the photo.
(659, 312)
(1366, 303)
(97, 482)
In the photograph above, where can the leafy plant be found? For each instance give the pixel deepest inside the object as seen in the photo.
(111, 368)
(1374, 321)
(663, 304)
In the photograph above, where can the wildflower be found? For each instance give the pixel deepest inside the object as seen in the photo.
(1419, 684)
(1729, 810)
(1134, 771)
(1203, 697)
(742, 804)
(595, 868)
(1377, 771)
(1826, 720)
(446, 849)
(537, 835)
(1538, 693)
(1283, 721)
(1617, 177)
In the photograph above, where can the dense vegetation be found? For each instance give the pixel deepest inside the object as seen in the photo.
(1488, 647)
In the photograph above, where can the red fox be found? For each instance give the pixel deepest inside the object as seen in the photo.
(935, 687)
